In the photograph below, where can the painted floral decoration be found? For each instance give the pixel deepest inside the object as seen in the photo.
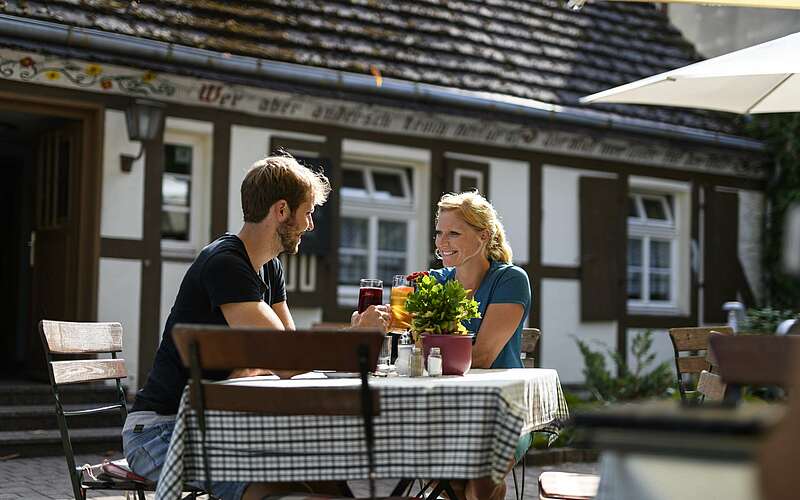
(94, 69)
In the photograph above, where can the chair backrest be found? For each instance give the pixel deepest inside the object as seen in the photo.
(690, 346)
(530, 338)
(68, 338)
(221, 348)
(755, 359)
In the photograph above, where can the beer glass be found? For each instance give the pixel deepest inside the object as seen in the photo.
(370, 294)
(401, 288)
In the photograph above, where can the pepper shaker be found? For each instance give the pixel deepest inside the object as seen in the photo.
(416, 366)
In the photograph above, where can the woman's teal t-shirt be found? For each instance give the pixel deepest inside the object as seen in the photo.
(503, 284)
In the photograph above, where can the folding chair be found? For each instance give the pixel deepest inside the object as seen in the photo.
(61, 337)
(217, 348)
(530, 338)
(753, 360)
(689, 362)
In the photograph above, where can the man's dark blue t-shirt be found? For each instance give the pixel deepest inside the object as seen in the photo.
(221, 274)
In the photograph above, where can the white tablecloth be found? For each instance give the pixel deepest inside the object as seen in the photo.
(444, 427)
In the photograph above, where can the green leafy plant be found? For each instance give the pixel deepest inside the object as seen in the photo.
(440, 308)
(630, 384)
(765, 319)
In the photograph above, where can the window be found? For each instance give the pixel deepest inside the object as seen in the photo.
(176, 188)
(467, 180)
(377, 219)
(652, 246)
(183, 193)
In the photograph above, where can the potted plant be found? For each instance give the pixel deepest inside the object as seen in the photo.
(437, 310)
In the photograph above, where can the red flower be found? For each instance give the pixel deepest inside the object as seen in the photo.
(417, 275)
(27, 62)
(106, 84)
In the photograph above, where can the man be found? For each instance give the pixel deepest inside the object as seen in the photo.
(237, 280)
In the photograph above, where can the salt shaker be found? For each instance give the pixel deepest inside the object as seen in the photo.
(416, 366)
(435, 362)
(404, 347)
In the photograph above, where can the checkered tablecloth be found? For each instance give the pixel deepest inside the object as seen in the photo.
(444, 427)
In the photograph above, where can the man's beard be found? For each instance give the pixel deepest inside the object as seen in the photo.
(290, 239)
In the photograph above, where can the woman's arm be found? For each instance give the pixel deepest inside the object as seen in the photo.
(497, 326)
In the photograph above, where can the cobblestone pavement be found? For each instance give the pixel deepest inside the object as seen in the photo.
(46, 479)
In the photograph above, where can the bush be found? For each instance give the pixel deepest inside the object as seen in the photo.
(766, 319)
(630, 384)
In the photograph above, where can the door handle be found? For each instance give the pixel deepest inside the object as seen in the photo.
(32, 249)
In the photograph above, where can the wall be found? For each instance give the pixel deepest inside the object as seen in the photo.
(118, 299)
(123, 193)
(561, 326)
(719, 30)
(751, 221)
(121, 216)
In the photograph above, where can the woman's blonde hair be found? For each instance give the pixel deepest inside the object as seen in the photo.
(480, 214)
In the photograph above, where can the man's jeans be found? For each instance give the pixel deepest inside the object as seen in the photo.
(146, 452)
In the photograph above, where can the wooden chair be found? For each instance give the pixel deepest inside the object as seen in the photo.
(219, 348)
(61, 337)
(689, 362)
(754, 360)
(567, 486)
(530, 337)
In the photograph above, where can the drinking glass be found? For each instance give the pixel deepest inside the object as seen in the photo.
(370, 294)
(384, 358)
(401, 288)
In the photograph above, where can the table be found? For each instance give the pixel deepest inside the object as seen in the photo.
(443, 427)
(662, 450)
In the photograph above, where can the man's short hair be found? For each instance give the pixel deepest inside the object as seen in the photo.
(280, 178)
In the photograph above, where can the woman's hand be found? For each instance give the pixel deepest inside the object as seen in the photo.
(372, 317)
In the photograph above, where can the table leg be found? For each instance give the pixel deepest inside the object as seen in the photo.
(401, 487)
(443, 486)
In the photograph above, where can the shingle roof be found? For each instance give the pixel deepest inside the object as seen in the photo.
(531, 49)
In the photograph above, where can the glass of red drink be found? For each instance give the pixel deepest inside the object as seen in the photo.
(370, 294)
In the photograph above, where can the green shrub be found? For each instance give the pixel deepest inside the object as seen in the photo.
(629, 384)
(765, 319)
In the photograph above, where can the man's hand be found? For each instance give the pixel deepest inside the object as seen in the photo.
(248, 372)
(373, 317)
(257, 372)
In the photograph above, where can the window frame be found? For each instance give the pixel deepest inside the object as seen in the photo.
(648, 230)
(199, 195)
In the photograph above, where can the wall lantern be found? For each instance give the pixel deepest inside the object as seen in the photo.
(144, 120)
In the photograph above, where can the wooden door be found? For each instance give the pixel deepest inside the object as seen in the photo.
(53, 244)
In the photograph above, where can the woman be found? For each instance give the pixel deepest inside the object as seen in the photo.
(471, 242)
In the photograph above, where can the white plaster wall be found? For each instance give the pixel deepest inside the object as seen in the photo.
(662, 347)
(304, 317)
(509, 192)
(248, 145)
(123, 193)
(118, 299)
(171, 276)
(560, 327)
(751, 220)
(561, 244)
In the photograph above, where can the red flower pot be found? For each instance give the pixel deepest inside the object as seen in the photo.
(456, 352)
